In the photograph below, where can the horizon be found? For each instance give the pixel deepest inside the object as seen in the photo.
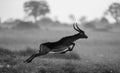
(91, 9)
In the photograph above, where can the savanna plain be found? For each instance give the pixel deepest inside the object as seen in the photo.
(100, 53)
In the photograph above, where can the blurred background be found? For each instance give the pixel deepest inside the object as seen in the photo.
(28, 23)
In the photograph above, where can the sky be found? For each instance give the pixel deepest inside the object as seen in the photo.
(60, 9)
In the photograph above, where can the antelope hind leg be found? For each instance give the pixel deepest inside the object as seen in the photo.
(32, 57)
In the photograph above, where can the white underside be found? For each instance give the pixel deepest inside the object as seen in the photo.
(55, 50)
(58, 51)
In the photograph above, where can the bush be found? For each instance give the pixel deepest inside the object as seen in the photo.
(27, 52)
(5, 52)
(26, 25)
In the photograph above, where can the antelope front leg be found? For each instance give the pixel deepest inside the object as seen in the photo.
(63, 52)
(70, 49)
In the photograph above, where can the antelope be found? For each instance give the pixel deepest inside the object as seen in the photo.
(61, 46)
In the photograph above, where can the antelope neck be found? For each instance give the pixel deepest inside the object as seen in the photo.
(75, 37)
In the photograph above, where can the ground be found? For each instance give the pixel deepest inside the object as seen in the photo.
(100, 51)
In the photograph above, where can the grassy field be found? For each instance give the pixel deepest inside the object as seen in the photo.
(99, 44)
(15, 64)
(100, 53)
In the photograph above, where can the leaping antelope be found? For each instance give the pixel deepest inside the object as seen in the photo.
(61, 46)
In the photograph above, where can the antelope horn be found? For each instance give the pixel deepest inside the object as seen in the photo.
(79, 29)
(75, 27)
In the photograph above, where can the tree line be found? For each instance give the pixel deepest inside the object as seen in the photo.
(40, 8)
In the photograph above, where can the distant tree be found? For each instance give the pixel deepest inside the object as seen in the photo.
(36, 8)
(104, 20)
(114, 10)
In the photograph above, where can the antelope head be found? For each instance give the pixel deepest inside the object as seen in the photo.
(81, 32)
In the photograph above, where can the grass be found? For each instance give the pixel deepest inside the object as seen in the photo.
(4, 51)
(79, 61)
(52, 65)
(60, 66)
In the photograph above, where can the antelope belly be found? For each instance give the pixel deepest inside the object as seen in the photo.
(59, 49)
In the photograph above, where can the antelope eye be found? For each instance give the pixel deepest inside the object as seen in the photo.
(82, 33)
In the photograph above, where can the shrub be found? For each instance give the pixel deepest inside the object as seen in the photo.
(27, 52)
(5, 52)
(26, 25)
